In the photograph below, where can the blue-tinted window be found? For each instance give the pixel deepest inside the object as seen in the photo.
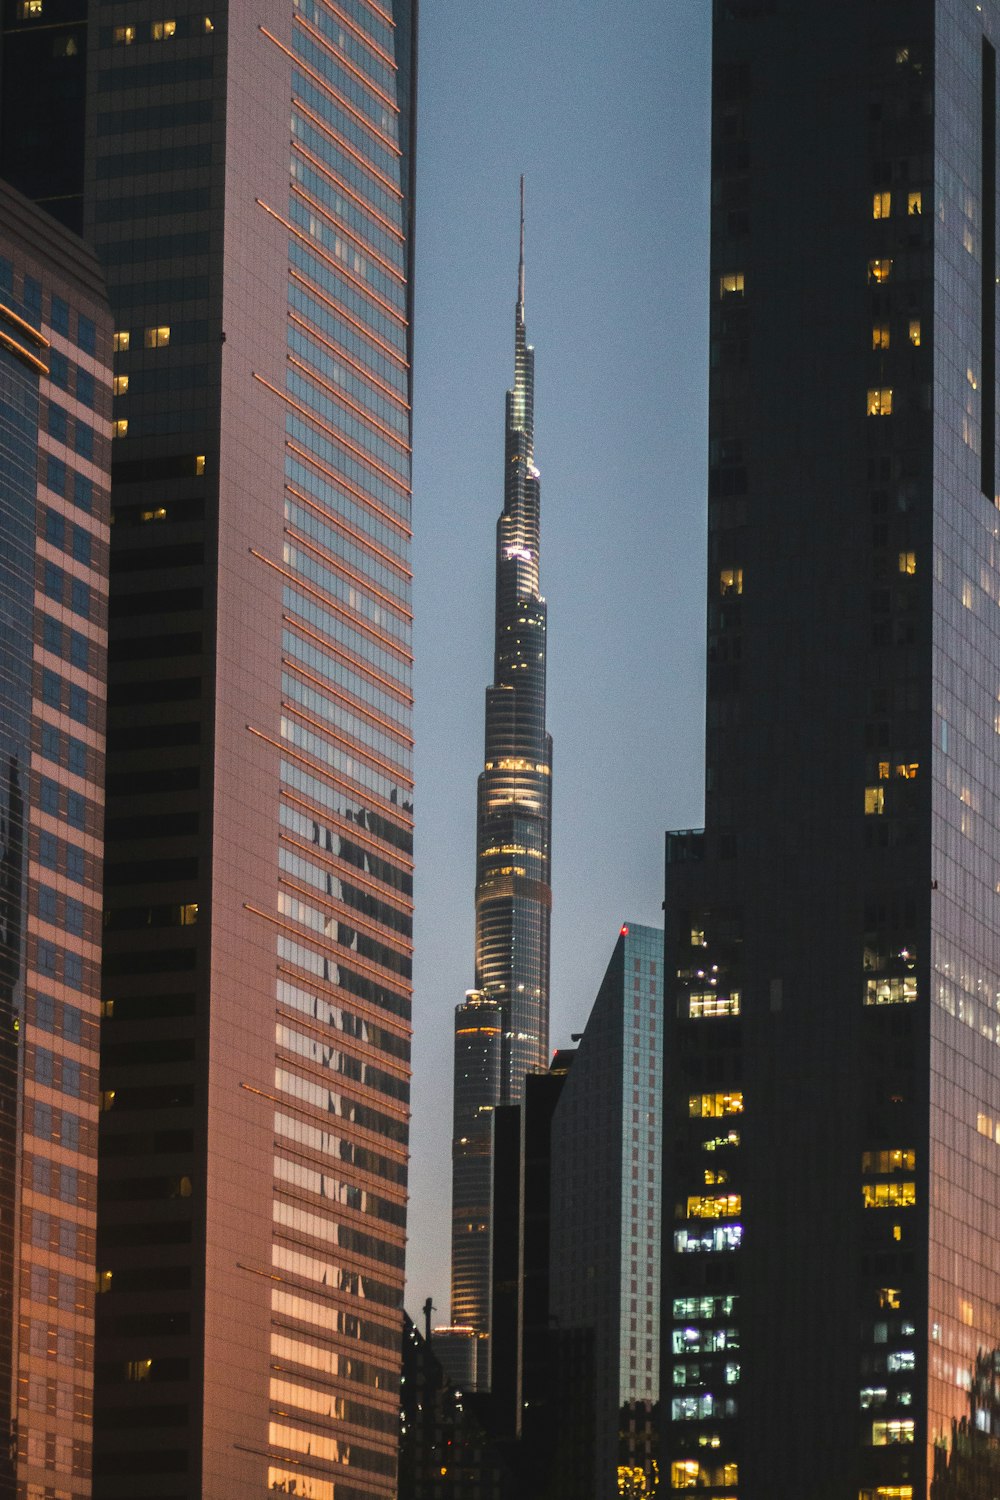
(47, 903)
(71, 1077)
(73, 916)
(42, 1119)
(81, 545)
(45, 1012)
(60, 316)
(74, 863)
(67, 1231)
(44, 1070)
(84, 440)
(51, 689)
(6, 276)
(51, 744)
(52, 581)
(69, 1130)
(83, 492)
(73, 971)
(58, 369)
(79, 650)
(87, 335)
(79, 702)
(33, 297)
(67, 1184)
(76, 809)
(55, 474)
(77, 758)
(55, 528)
(72, 1023)
(52, 635)
(58, 423)
(48, 850)
(85, 387)
(46, 958)
(48, 796)
(80, 598)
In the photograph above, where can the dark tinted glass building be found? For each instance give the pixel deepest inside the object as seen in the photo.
(249, 189)
(501, 1032)
(832, 1166)
(55, 409)
(606, 1202)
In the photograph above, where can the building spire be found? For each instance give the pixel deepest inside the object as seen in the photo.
(520, 264)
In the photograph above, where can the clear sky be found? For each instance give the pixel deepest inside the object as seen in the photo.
(604, 106)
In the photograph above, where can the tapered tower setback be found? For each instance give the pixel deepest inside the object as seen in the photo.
(505, 1019)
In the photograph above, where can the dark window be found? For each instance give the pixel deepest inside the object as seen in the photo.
(52, 582)
(84, 440)
(71, 1077)
(79, 703)
(76, 810)
(55, 528)
(48, 796)
(48, 850)
(80, 598)
(79, 650)
(51, 744)
(77, 757)
(74, 863)
(83, 492)
(33, 297)
(55, 474)
(52, 635)
(60, 316)
(86, 335)
(85, 388)
(59, 369)
(47, 903)
(51, 689)
(46, 958)
(81, 545)
(58, 423)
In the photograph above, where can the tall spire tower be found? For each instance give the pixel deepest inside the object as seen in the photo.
(502, 1029)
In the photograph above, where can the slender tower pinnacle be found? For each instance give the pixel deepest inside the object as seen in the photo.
(502, 1029)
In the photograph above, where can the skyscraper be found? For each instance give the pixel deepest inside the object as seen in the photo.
(55, 444)
(832, 1172)
(249, 189)
(606, 1195)
(501, 1031)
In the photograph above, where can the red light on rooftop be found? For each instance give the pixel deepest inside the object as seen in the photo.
(624, 931)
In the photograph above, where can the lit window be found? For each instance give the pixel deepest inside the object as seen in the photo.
(107, 1100)
(883, 770)
(120, 386)
(874, 801)
(103, 1281)
(138, 1369)
(715, 1206)
(731, 284)
(891, 991)
(879, 270)
(119, 427)
(158, 513)
(121, 341)
(157, 338)
(889, 1194)
(915, 332)
(897, 1430)
(123, 36)
(908, 562)
(711, 1106)
(914, 202)
(889, 1296)
(880, 336)
(199, 463)
(880, 401)
(164, 29)
(909, 771)
(207, 24)
(902, 1159)
(731, 581)
(888, 1492)
(881, 205)
(708, 1003)
(965, 1312)
(684, 1475)
(29, 9)
(189, 911)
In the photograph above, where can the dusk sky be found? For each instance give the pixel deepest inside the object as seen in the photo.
(605, 109)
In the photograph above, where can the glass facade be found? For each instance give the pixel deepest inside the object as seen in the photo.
(55, 401)
(259, 890)
(831, 937)
(607, 1191)
(513, 835)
